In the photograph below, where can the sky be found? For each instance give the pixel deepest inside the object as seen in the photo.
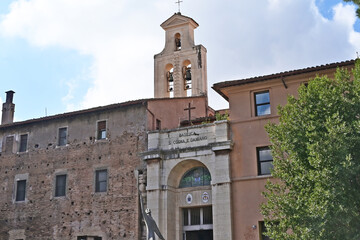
(66, 55)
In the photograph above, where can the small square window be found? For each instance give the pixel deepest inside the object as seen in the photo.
(262, 103)
(23, 143)
(101, 130)
(101, 180)
(20, 190)
(265, 160)
(60, 185)
(62, 136)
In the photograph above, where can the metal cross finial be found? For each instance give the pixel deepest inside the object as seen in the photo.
(178, 2)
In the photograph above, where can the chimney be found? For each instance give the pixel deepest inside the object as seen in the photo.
(8, 109)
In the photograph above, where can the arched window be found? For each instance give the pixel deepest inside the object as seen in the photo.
(199, 176)
(177, 42)
(186, 71)
(170, 79)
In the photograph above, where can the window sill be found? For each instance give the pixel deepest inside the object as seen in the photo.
(62, 146)
(258, 177)
(21, 153)
(102, 140)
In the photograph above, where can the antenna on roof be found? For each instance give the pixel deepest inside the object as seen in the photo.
(178, 3)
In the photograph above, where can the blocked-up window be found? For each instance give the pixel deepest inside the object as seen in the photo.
(60, 185)
(101, 130)
(9, 144)
(101, 180)
(23, 143)
(20, 190)
(265, 160)
(62, 136)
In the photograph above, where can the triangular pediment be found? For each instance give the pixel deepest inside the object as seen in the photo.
(177, 20)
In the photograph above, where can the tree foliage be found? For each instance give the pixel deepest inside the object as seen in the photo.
(316, 151)
(357, 2)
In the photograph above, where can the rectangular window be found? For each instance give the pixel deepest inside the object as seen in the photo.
(60, 185)
(197, 216)
(101, 130)
(20, 190)
(158, 124)
(101, 180)
(262, 229)
(265, 160)
(23, 143)
(88, 238)
(262, 103)
(62, 136)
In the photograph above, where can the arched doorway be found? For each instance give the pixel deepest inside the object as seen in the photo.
(195, 208)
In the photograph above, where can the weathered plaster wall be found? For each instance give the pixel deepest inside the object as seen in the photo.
(111, 215)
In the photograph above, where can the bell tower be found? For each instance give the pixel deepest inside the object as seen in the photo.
(181, 68)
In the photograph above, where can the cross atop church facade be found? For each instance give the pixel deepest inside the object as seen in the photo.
(189, 109)
(178, 3)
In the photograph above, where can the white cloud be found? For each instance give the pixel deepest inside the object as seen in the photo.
(243, 38)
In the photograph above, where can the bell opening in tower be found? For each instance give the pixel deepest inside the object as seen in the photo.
(177, 42)
(186, 71)
(170, 79)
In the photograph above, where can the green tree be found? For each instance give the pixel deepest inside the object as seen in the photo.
(316, 151)
(357, 2)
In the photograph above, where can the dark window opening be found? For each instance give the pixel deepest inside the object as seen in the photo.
(101, 126)
(23, 143)
(263, 230)
(88, 238)
(262, 103)
(62, 136)
(265, 160)
(101, 181)
(21, 190)
(158, 124)
(60, 185)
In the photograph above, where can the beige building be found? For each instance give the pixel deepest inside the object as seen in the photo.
(253, 103)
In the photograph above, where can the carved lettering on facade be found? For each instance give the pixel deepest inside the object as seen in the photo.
(191, 138)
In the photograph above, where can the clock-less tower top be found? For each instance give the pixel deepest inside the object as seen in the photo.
(180, 69)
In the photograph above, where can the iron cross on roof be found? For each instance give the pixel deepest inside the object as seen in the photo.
(189, 109)
(178, 3)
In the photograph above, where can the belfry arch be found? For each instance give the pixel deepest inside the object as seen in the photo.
(180, 50)
(169, 76)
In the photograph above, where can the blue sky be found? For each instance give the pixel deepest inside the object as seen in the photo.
(64, 55)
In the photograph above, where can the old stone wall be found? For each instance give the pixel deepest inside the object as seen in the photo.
(82, 212)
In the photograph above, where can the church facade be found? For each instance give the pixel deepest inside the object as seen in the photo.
(78, 175)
